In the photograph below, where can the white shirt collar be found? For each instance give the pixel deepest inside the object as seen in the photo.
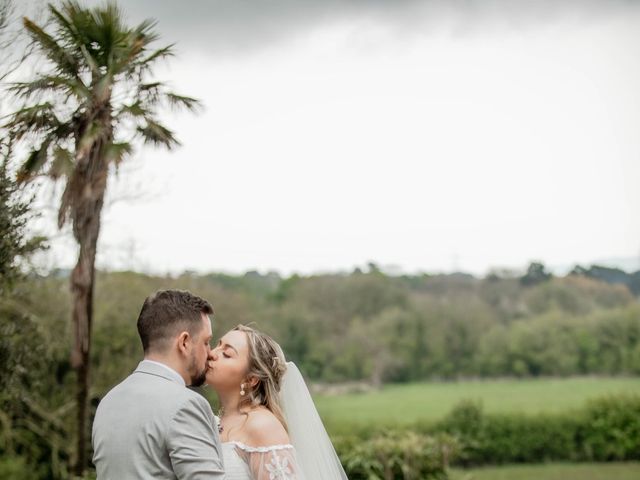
(170, 370)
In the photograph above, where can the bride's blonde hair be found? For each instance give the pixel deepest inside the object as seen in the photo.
(267, 363)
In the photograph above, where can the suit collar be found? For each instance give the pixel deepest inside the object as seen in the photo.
(159, 369)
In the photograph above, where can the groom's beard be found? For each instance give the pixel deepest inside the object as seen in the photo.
(198, 376)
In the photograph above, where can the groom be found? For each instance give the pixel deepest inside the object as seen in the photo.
(151, 426)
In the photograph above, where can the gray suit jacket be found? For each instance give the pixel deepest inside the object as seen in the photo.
(151, 426)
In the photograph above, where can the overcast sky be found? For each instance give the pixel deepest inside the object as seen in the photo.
(430, 136)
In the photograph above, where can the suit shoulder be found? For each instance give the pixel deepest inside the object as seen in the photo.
(191, 400)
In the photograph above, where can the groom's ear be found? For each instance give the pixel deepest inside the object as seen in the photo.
(183, 340)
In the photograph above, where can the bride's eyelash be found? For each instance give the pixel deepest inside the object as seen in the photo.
(225, 355)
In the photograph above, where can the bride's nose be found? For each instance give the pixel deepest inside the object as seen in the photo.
(211, 359)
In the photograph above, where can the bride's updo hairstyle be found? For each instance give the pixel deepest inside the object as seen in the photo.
(267, 363)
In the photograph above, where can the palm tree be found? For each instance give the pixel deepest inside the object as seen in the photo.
(80, 117)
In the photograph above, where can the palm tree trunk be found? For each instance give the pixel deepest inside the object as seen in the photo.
(86, 229)
(82, 286)
(82, 280)
(86, 190)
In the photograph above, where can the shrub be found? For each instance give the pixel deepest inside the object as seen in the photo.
(606, 429)
(610, 429)
(397, 455)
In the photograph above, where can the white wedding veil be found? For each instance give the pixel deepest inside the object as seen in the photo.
(314, 451)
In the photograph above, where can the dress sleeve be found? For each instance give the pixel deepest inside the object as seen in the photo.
(277, 462)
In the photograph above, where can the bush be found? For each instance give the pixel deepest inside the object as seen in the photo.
(517, 438)
(606, 429)
(397, 455)
(610, 429)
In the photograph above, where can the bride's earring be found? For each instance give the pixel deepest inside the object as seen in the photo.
(242, 392)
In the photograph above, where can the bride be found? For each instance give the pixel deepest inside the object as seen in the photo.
(268, 424)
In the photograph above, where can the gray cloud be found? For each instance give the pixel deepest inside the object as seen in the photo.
(233, 26)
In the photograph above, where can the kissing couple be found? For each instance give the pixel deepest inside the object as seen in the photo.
(151, 426)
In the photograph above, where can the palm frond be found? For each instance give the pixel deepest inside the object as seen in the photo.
(138, 39)
(116, 152)
(144, 31)
(161, 53)
(75, 24)
(150, 92)
(60, 57)
(108, 23)
(147, 87)
(68, 30)
(52, 83)
(62, 163)
(38, 118)
(181, 101)
(134, 109)
(34, 163)
(90, 61)
(156, 134)
(108, 34)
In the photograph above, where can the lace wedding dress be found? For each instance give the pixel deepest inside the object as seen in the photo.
(276, 462)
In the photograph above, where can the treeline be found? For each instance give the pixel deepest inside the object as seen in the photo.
(372, 326)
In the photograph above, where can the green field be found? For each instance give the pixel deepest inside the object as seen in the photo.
(406, 404)
(554, 471)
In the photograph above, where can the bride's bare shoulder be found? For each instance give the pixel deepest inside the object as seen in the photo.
(263, 429)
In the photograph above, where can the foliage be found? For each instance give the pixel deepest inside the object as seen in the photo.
(15, 210)
(397, 455)
(374, 328)
(610, 275)
(610, 429)
(606, 429)
(33, 427)
(536, 273)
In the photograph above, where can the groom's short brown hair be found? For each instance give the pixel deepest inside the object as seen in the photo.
(166, 313)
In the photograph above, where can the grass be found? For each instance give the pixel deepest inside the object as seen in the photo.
(553, 471)
(406, 404)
